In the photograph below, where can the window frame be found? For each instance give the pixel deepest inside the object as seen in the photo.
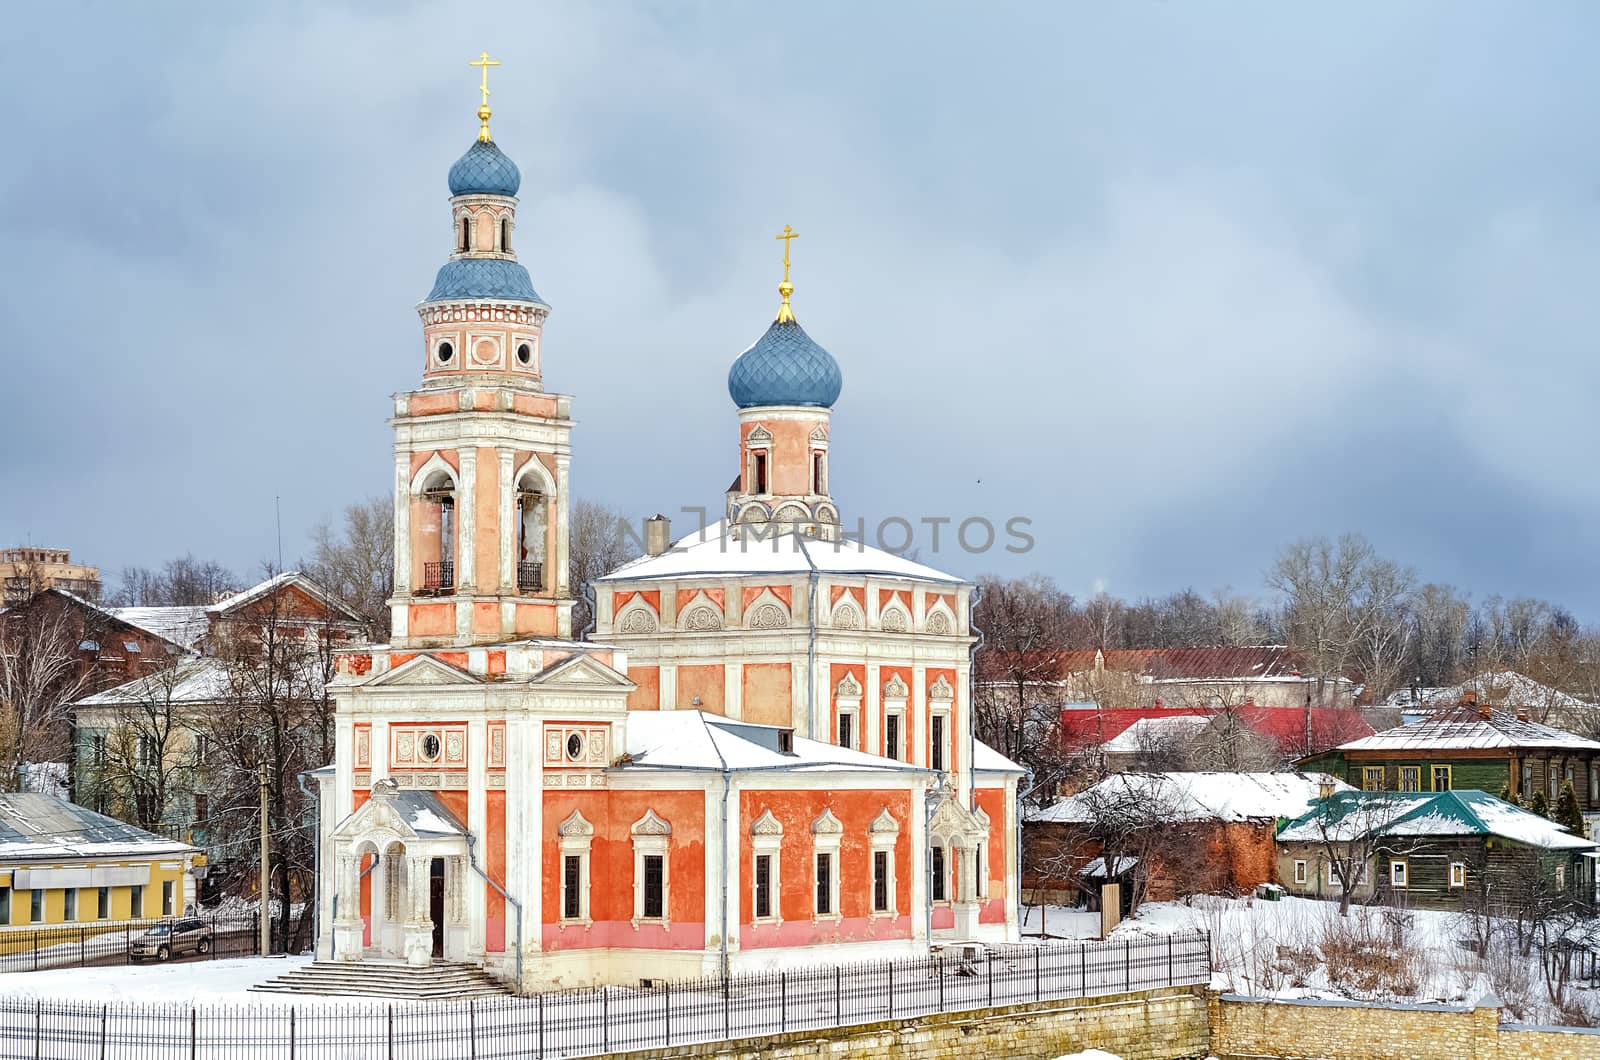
(827, 838)
(576, 836)
(849, 717)
(1301, 871)
(102, 903)
(824, 892)
(1449, 776)
(883, 837)
(1458, 874)
(1400, 874)
(939, 738)
(1415, 778)
(36, 908)
(169, 898)
(136, 901)
(652, 838)
(5, 906)
(1367, 777)
(766, 841)
(894, 726)
(938, 867)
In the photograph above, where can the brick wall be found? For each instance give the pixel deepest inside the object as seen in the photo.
(1244, 1027)
(1145, 1025)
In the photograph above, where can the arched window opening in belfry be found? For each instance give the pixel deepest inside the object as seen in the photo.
(439, 560)
(818, 472)
(505, 235)
(464, 241)
(532, 528)
(758, 472)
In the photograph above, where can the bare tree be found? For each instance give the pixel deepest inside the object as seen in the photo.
(355, 561)
(181, 582)
(1024, 624)
(601, 540)
(144, 755)
(41, 673)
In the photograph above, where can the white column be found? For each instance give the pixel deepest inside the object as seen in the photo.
(563, 524)
(402, 523)
(477, 815)
(466, 521)
(508, 524)
(916, 721)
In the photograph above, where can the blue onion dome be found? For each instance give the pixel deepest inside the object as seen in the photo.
(483, 278)
(484, 170)
(785, 367)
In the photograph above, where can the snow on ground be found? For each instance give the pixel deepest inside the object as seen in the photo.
(226, 980)
(1060, 922)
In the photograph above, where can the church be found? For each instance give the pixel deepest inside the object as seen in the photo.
(762, 754)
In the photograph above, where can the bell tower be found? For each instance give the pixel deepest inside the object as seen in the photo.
(481, 449)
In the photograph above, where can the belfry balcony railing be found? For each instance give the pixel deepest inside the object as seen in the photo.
(530, 577)
(439, 577)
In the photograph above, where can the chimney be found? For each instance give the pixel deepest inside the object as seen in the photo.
(1522, 713)
(657, 534)
(1469, 698)
(1325, 787)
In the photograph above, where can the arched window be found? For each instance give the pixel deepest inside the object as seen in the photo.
(532, 509)
(439, 571)
(819, 482)
(465, 239)
(505, 235)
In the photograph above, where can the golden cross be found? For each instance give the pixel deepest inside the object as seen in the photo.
(788, 234)
(485, 62)
(483, 108)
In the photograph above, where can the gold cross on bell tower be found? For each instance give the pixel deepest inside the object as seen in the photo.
(484, 62)
(785, 314)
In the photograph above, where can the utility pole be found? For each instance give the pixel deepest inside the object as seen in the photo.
(266, 912)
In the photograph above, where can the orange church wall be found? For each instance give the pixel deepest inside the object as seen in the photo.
(494, 863)
(796, 810)
(485, 616)
(496, 663)
(782, 592)
(366, 900)
(536, 619)
(648, 695)
(767, 694)
(887, 596)
(458, 659)
(447, 455)
(707, 682)
(855, 592)
(431, 620)
(790, 464)
(534, 405)
(611, 869)
(719, 597)
(993, 802)
(455, 802)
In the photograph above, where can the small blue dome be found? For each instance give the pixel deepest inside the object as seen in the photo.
(483, 278)
(785, 367)
(484, 170)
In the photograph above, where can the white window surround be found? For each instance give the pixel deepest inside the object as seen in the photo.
(883, 834)
(652, 836)
(1399, 872)
(980, 856)
(827, 836)
(852, 708)
(577, 835)
(1458, 874)
(941, 710)
(940, 868)
(1300, 875)
(766, 839)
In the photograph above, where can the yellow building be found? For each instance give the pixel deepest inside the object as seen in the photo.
(25, 571)
(62, 865)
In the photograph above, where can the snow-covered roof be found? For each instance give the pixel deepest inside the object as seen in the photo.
(189, 680)
(426, 815)
(693, 739)
(34, 826)
(1199, 796)
(1147, 732)
(1096, 869)
(1445, 813)
(181, 625)
(1497, 687)
(986, 759)
(1468, 728)
(718, 551)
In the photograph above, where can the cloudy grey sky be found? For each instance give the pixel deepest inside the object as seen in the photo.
(1178, 281)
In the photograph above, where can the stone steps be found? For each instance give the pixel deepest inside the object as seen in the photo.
(387, 979)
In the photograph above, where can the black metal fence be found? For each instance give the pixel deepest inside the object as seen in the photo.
(93, 945)
(601, 1020)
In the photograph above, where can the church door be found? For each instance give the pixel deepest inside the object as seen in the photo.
(436, 903)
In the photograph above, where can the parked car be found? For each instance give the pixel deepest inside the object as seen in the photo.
(172, 938)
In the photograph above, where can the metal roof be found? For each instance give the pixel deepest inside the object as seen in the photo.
(1469, 728)
(35, 825)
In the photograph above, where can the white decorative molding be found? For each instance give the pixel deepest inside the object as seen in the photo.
(768, 616)
(941, 689)
(895, 688)
(884, 823)
(939, 624)
(758, 438)
(894, 620)
(845, 616)
(819, 434)
(766, 825)
(849, 688)
(827, 824)
(651, 825)
(575, 826)
(638, 619)
(702, 617)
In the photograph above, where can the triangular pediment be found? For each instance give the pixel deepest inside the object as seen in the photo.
(377, 820)
(581, 670)
(424, 670)
(953, 820)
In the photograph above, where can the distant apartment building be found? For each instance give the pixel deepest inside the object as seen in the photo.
(27, 571)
